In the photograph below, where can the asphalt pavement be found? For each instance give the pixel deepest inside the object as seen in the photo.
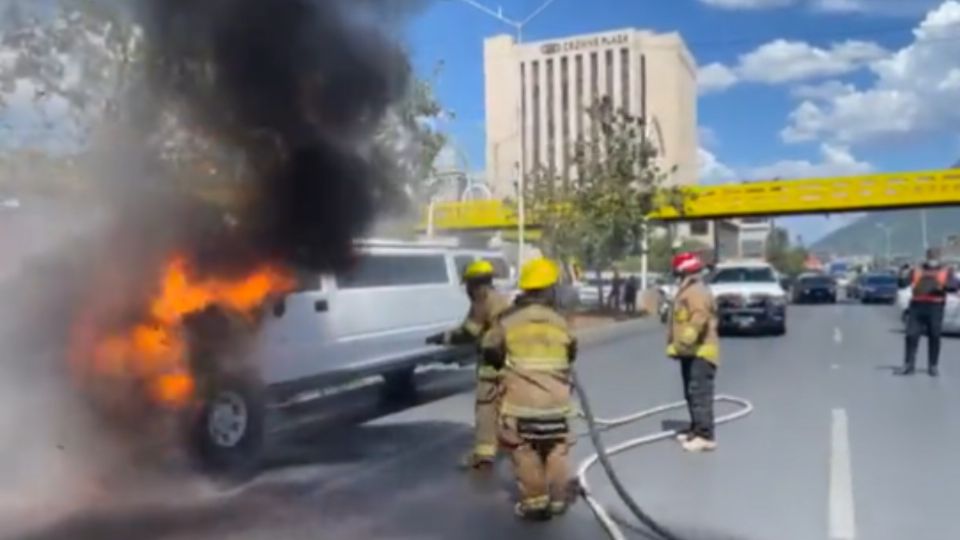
(837, 448)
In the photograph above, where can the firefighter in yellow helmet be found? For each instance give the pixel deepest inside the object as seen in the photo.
(692, 339)
(533, 345)
(485, 305)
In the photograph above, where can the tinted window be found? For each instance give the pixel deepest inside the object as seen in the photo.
(308, 281)
(461, 262)
(816, 281)
(744, 275)
(880, 280)
(394, 270)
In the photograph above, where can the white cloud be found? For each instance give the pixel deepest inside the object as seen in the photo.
(916, 91)
(715, 77)
(823, 91)
(708, 137)
(782, 61)
(875, 7)
(712, 170)
(747, 4)
(871, 7)
(834, 161)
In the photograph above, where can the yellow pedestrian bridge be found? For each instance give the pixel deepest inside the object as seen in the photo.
(865, 192)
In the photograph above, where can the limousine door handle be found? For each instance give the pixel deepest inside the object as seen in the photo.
(321, 306)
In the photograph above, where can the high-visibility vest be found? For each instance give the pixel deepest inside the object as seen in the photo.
(940, 276)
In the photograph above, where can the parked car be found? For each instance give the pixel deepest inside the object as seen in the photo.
(815, 288)
(749, 297)
(951, 312)
(880, 287)
(369, 321)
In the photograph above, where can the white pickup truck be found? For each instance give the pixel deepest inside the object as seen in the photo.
(372, 320)
(749, 297)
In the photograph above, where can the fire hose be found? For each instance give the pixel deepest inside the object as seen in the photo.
(603, 455)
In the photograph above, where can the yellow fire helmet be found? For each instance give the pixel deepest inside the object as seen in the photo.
(539, 274)
(478, 269)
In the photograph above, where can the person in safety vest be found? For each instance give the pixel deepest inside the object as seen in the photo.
(535, 348)
(929, 285)
(692, 339)
(485, 305)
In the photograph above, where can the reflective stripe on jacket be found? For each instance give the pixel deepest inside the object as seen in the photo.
(692, 331)
(537, 346)
(484, 311)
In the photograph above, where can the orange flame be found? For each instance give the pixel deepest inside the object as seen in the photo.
(154, 351)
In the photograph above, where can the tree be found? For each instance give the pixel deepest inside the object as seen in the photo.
(412, 133)
(596, 210)
(785, 257)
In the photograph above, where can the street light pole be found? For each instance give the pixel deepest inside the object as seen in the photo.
(886, 230)
(518, 26)
(923, 228)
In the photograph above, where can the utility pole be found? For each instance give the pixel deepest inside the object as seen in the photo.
(886, 229)
(518, 26)
(923, 228)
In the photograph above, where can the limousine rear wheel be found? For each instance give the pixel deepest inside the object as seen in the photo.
(229, 431)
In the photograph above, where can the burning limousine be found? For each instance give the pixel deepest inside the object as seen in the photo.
(227, 352)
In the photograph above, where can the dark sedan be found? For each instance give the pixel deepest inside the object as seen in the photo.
(877, 288)
(815, 289)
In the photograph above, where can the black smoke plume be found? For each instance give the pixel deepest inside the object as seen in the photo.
(297, 90)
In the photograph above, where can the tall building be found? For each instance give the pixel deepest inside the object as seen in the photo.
(538, 95)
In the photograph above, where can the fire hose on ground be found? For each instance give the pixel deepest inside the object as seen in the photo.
(603, 455)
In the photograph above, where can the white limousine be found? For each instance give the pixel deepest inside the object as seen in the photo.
(370, 321)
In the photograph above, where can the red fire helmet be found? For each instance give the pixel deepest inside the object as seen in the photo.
(687, 263)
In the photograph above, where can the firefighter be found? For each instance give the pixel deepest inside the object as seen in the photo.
(485, 305)
(692, 339)
(533, 345)
(929, 285)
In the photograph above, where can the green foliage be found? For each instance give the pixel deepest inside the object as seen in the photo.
(785, 257)
(596, 210)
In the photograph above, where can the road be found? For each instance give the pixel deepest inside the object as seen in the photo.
(837, 448)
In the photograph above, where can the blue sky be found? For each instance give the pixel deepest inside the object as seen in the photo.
(789, 88)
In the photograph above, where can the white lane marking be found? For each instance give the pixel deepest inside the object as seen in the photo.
(837, 335)
(842, 520)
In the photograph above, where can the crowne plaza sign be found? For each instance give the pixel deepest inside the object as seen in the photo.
(579, 44)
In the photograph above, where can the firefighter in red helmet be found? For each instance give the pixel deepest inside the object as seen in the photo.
(692, 340)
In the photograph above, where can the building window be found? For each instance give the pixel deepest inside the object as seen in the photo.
(523, 111)
(578, 96)
(625, 79)
(609, 62)
(564, 114)
(699, 228)
(535, 66)
(551, 120)
(594, 89)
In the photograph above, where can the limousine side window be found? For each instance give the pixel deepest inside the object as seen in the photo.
(461, 262)
(395, 270)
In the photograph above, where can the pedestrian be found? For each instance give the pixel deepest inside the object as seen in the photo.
(929, 284)
(486, 304)
(533, 345)
(616, 290)
(692, 339)
(630, 294)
